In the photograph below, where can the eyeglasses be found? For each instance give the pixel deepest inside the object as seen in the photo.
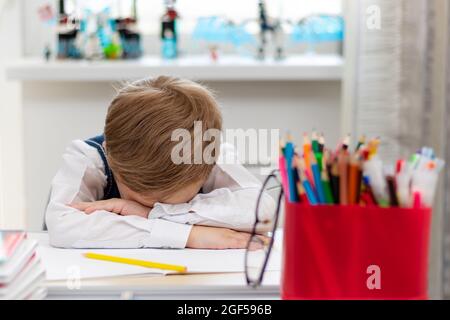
(256, 260)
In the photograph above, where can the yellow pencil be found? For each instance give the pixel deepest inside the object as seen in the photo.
(135, 262)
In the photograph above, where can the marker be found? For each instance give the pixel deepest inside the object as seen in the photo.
(367, 199)
(373, 168)
(399, 166)
(393, 200)
(417, 200)
(361, 142)
(424, 182)
(414, 160)
(368, 189)
(346, 142)
(373, 147)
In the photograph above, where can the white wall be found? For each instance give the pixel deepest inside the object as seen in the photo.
(12, 212)
(56, 113)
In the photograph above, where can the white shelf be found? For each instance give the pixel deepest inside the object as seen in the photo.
(228, 68)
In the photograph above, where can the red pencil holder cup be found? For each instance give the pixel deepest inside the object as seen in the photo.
(353, 252)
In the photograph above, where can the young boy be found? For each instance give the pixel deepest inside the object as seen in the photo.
(123, 190)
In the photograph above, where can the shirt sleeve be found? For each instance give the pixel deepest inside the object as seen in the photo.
(82, 178)
(228, 200)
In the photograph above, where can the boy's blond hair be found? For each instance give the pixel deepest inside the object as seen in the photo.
(138, 130)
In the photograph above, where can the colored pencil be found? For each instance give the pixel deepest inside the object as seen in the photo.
(317, 180)
(283, 174)
(312, 198)
(335, 182)
(343, 176)
(135, 262)
(354, 179)
(289, 156)
(318, 176)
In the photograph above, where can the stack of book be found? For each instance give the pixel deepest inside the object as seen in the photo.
(21, 272)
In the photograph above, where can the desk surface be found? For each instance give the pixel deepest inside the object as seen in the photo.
(196, 286)
(193, 286)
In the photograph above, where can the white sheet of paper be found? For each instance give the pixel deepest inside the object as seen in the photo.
(66, 264)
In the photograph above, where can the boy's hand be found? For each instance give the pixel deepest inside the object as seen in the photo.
(221, 238)
(119, 206)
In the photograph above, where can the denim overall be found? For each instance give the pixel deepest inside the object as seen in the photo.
(111, 190)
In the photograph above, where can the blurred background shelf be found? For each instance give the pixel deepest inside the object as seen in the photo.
(228, 68)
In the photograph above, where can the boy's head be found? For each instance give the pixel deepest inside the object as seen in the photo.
(138, 131)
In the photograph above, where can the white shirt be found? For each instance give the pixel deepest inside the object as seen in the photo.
(228, 200)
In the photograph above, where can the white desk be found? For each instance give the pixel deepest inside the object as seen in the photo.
(220, 286)
(198, 286)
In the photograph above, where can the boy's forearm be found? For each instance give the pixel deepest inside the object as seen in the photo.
(70, 228)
